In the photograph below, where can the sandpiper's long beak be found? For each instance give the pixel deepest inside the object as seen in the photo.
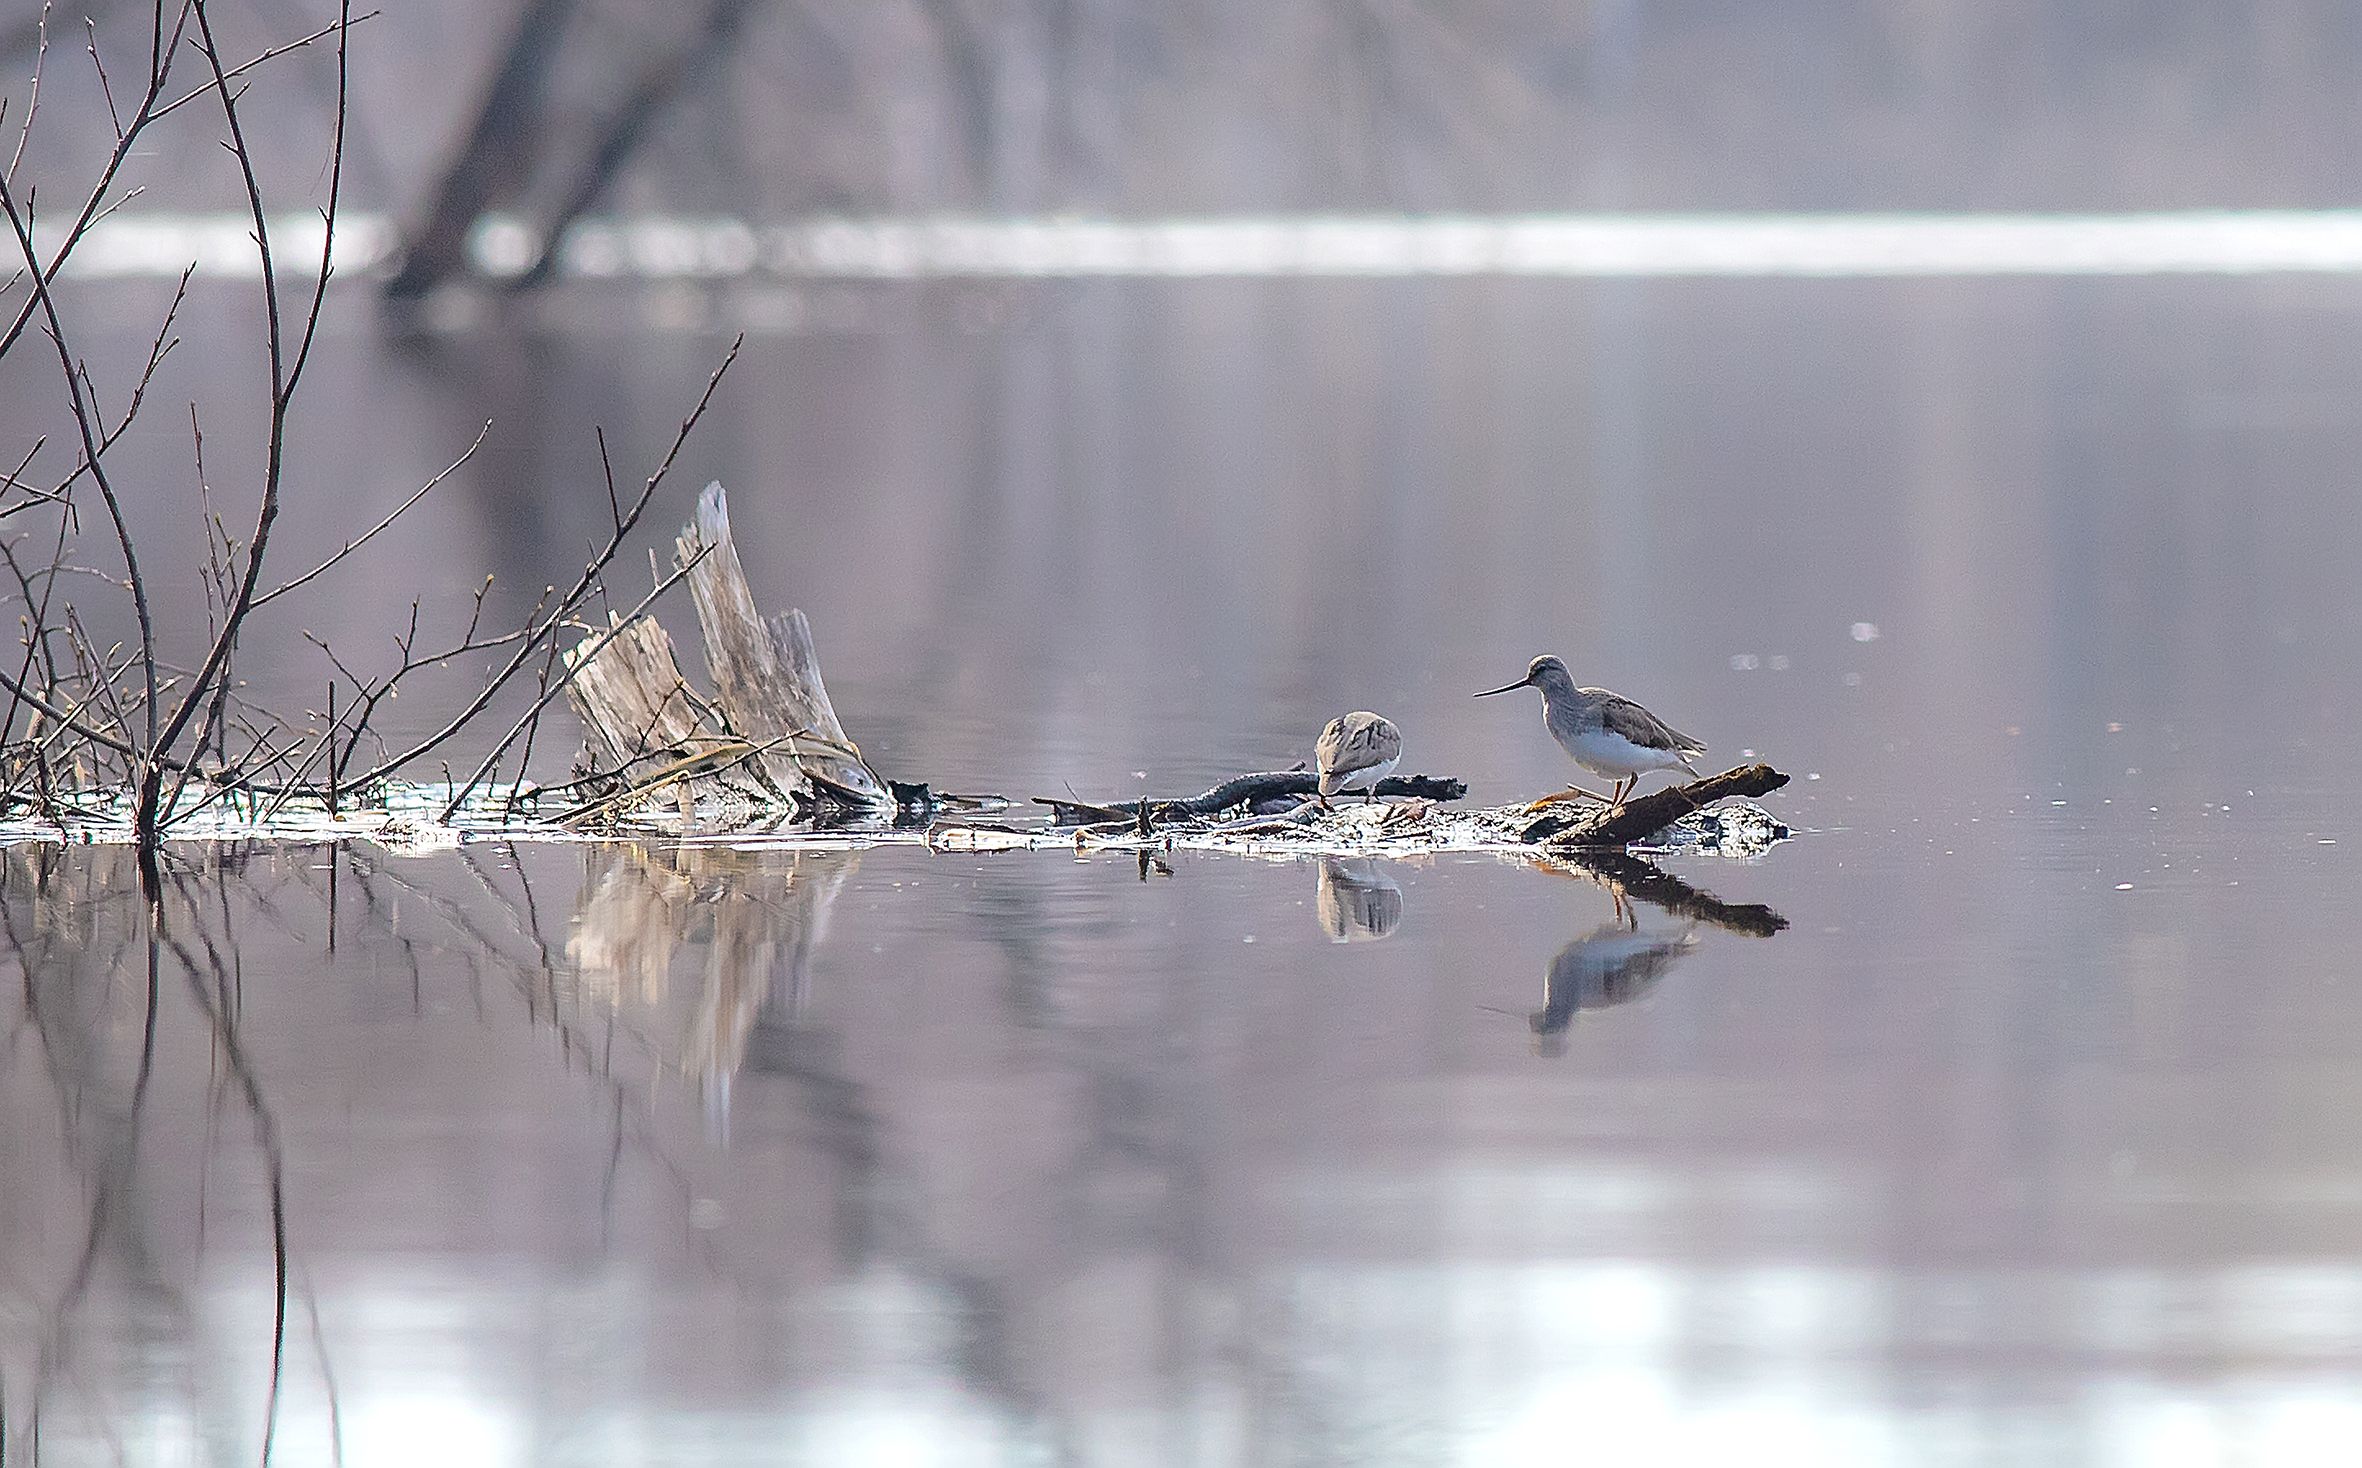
(1506, 688)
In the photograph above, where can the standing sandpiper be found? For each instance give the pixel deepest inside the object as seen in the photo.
(1605, 732)
(1359, 750)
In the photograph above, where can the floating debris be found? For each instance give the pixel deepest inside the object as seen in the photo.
(406, 818)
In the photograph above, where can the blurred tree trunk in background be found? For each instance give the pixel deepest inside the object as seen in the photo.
(795, 108)
(582, 83)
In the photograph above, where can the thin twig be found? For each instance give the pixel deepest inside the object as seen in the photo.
(33, 100)
(365, 537)
(93, 454)
(592, 577)
(574, 665)
(322, 34)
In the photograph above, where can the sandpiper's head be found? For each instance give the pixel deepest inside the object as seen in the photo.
(1544, 672)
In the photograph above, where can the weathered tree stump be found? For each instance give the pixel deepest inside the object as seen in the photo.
(770, 737)
(767, 674)
(642, 725)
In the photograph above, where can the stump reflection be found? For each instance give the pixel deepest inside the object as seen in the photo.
(709, 938)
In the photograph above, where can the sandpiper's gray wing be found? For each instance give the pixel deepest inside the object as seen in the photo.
(1326, 755)
(1357, 742)
(1622, 716)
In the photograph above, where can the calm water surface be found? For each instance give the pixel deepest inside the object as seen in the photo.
(2029, 1138)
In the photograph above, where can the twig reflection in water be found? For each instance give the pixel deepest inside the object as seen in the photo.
(691, 962)
(758, 916)
(76, 920)
(1620, 960)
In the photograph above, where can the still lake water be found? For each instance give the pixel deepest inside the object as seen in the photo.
(2031, 1138)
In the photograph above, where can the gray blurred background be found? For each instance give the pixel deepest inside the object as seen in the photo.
(775, 108)
(2030, 1140)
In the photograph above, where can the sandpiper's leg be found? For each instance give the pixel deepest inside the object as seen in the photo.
(1570, 793)
(1567, 794)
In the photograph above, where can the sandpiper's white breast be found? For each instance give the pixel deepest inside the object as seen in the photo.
(1609, 753)
(1368, 778)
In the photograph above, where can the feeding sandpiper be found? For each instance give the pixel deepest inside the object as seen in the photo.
(1359, 750)
(1605, 732)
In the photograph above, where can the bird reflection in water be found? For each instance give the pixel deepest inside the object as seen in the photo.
(1356, 900)
(1614, 963)
(1622, 959)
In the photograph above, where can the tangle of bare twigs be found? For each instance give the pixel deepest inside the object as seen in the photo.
(85, 728)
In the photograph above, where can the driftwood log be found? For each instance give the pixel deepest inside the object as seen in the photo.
(1240, 792)
(769, 738)
(1643, 816)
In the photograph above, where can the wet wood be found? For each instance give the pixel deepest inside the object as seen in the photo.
(769, 738)
(1239, 792)
(766, 675)
(645, 730)
(1644, 816)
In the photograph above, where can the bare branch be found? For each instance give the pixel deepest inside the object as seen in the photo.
(593, 575)
(323, 33)
(211, 672)
(355, 544)
(90, 28)
(33, 101)
(95, 202)
(92, 452)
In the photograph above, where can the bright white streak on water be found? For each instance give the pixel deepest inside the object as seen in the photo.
(2221, 242)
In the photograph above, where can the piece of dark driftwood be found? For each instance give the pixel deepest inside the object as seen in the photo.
(1652, 884)
(1644, 816)
(1242, 790)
